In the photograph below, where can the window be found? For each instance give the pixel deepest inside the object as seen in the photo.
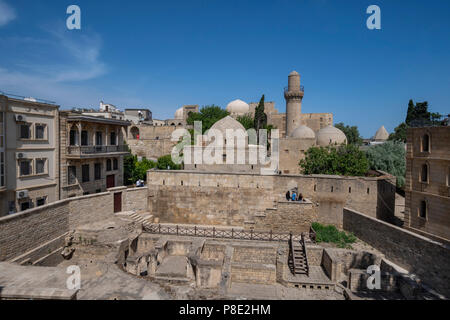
(423, 209)
(40, 166)
(40, 131)
(85, 173)
(2, 169)
(98, 190)
(25, 131)
(40, 201)
(368, 190)
(25, 167)
(108, 165)
(98, 171)
(424, 173)
(84, 138)
(73, 137)
(112, 139)
(426, 143)
(98, 138)
(349, 189)
(71, 175)
(135, 133)
(116, 164)
(25, 206)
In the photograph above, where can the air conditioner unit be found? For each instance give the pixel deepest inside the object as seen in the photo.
(20, 118)
(20, 155)
(23, 194)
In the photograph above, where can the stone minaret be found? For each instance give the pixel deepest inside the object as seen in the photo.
(293, 95)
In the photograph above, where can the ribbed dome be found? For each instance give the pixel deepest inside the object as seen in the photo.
(227, 123)
(330, 135)
(303, 132)
(381, 134)
(238, 106)
(179, 114)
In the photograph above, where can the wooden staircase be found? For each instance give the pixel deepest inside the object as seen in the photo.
(298, 261)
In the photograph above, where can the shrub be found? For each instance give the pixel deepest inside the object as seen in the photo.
(330, 234)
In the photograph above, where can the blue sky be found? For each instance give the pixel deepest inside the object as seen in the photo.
(161, 55)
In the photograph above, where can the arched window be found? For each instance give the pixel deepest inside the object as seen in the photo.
(426, 143)
(108, 165)
(423, 209)
(424, 173)
(135, 133)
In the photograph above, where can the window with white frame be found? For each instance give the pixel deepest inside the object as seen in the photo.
(40, 131)
(25, 132)
(25, 167)
(41, 166)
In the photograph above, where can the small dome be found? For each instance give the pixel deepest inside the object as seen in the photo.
(294, 73)
(238, 106)
(303, 132)
(381, 134)
(179, 114)
(227, 123)
(330, 135)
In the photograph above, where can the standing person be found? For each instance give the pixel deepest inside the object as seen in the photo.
(288, 195)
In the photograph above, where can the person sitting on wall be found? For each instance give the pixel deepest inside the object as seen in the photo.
(288, 195)
(294, 196)
(300, 197)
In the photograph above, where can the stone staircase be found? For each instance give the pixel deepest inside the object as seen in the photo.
(298, 261)
(145, 219)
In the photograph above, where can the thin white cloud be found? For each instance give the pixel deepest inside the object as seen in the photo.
(7, 13)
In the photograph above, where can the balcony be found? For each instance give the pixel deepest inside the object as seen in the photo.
(95, 151)
(302, 89)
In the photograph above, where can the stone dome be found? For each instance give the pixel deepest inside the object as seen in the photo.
(381, 134)
(294, 73)
(179, 114)
(330, 135)
(238, 107)
(303, 132)
(227, 123)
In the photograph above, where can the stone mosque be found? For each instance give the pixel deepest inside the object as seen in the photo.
(297, 131)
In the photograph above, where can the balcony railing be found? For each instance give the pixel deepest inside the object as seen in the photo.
(302, 89)
(90, 150)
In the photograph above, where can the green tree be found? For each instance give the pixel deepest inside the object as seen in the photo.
(247, 121)
(208, 115)
(136, 170)
(389, 157)
(399, 133)
(260, 120)
(351, 132)
(166, 163)
(346, 160)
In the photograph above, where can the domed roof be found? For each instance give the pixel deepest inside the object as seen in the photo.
(238, 106)
(227, 123)
(179, 113)
(381, 134)
(294, 73)
(303, 132)
(330, 135)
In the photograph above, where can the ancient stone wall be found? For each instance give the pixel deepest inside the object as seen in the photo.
(239, 199)
(27, 230)
(429, 260)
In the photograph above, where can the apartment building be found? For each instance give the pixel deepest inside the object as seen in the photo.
(92, 150)
(29, 172)
(427, 202)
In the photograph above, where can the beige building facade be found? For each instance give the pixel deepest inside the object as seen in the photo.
(92, 152)
(427, 202)
(29, 143)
